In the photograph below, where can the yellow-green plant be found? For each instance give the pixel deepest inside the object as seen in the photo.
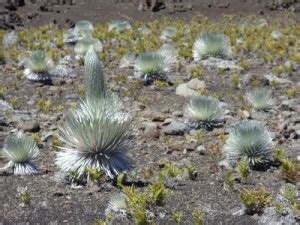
(198, 217)
(45, 105)
(137, 203)
(255, 200)
(94, 174)
(157, 192)
(244, 168)
(177, 216)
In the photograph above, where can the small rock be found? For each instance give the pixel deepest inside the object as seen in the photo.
(196, 84)
(220, 64)
(176, 128)
(150, 129)
(185, 91)
(177, 114)
(201, 149)
(29, 126)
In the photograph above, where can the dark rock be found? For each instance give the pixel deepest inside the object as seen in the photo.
(29, 126)
(176, 128)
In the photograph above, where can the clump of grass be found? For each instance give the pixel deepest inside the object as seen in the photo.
(137, 205)
(177, 217)
(229, 180)
(198, 217)
(157, 192)
(197, 72)
(45, 105)
(255, 200)
(291, 92)
(170, 169)
(243, 168)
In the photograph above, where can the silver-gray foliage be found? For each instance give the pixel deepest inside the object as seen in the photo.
(20, 150)
(261, 98)
(37, 67)
(95, 136)
(205, 110)
(150, 66)
(249, 139)
(82, 46)
(93, 74)
(119, 26)
(211, 45)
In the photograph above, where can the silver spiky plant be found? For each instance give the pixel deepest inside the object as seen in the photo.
(96, 135)
(37, 67)
(83, 45)
(150, 66)
(84, 28)
(261, 98)
(168, 33)
(211, 45)
(119, 26)
(93, 75)
(70, 36)
(168, 51)
(249, 139)
(20, 150)
(127, 60)
(117, 204)
(205, 110)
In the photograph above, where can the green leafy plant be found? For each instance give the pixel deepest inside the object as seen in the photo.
(289, 170)
(137, 205)
(243, 168)
(197, 72)
(229, 180)
(191, 170)
(177, 216)
(170, 169)
(198, 217)
(24, 195)
(45, 106)
(94, 174)
(255, 200)
(2, 91)
(20, 150)
(158, 192)
(291, 92)
(251, 140)
(121, 179)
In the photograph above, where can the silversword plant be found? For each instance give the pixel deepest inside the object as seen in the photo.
(211, 45)
(20, 150)
(260, 98)
(205, 111)
(37, 67)
(150, 66)
(251, 140)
